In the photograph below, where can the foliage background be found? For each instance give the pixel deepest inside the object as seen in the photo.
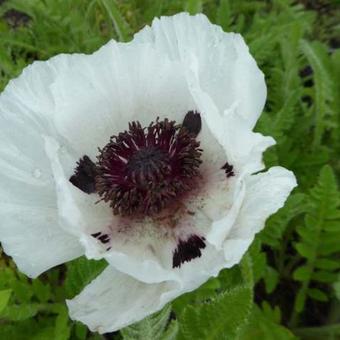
(288, 284)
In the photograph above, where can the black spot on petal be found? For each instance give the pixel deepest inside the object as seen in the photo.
(188, 250)
(229, 169)
(104, 238)
(84, 175)
(193, 122)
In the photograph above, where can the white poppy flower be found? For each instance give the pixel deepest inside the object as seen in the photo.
(142, 154)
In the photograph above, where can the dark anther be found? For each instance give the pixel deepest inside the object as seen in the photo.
(188, 250)
(192, 122)
(142, 170)
(229, 169)
(103, 238)
(84, 175)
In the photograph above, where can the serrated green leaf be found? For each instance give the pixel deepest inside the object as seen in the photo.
(193, 6)
(80, 331)
(328, 264)
(271, 279)
(316, 243)
(20, 312)
(80, 273)
(171, 331)
(4, 298)
(121, 26)
(62, 328)
(260, 327)
(317, 294)
(41, 290)
(302, 273)
(213, 320)
(152, 327)
(324, 276)
(316, 54)
(305, 250)
(300, 299)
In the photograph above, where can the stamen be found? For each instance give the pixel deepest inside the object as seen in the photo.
(188, 250)
(103, 238)
(229, 169)
(142, 170)
(193, 122)
(84, 177)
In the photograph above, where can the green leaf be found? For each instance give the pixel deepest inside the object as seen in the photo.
(336, 287)
(80, 331)
(316, 53)
(62, 328)
(152, 327)
(20, 312)
(324, 276)
(305, 249)
(317, 294)
(271, 279)
(317, 244)
(261, 327)
(327, 264)
(120, 24)
(80, 273)
(302, 273)
(223, 16)
(41, 290)
(193, 6)
(4, 298)
(171, 332)
(214, 319)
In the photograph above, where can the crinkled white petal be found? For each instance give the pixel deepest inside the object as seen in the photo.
(29, 228)
(32, 236)
(266, 194)
(224, 80)
(119, 83)
(115, 300)
(226, 70)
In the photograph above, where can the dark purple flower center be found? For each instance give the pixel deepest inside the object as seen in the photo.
(142, 170)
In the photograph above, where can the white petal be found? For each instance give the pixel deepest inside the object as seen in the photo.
(32, 236)
(220, 227)
(100, 95)
(226, 70)
(114, 300)
(224, 80)
(265, 194)
(29, 229)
